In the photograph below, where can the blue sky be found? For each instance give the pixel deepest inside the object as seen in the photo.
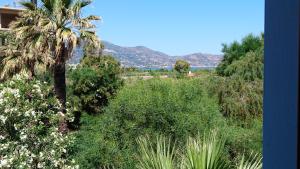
(177, 27)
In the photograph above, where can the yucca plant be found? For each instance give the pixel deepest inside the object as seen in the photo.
(204, 153)
(160, 155)
(255, 162)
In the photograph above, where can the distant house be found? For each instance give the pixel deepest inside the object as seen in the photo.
(7, 15)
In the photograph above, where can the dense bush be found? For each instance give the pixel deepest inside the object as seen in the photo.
(249, 68)
(237, 97)
(237, 51)
(29, 119)
(182, 66)
(240, 85)
(95, 81)
(175, 108)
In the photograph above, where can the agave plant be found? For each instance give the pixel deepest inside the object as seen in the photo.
(158, 156)
(255, 162)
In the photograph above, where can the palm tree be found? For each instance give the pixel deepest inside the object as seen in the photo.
(20, 57)
(54, 29)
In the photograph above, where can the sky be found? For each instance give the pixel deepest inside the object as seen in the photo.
(176, 27)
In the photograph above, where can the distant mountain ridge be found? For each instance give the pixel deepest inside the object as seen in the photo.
(143, 57)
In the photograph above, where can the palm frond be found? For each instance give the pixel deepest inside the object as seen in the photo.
(28, 5)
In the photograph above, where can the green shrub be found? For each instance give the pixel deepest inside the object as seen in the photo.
(240, 101)
(240, 85)
(244, 138)
(29, 120)
(182, 67)
(176, 108)
(236, 51)
(95, 81)
(237, 97)
(249, 68)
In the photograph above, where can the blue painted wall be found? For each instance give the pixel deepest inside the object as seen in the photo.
(281, 86)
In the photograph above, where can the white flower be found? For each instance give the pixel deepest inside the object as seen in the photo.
(40, 165)
(23, 136)
(33, 113)
(61, 114)
(27, 114)
(3, 163)
(3, 119)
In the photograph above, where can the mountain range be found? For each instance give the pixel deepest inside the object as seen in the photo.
(143, 57)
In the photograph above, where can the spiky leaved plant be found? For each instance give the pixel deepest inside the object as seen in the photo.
(255, 162)
(160, 155)
(204, 153)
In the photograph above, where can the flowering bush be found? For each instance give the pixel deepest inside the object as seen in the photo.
(29, 136)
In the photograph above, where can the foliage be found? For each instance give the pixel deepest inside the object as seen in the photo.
(29, 136)
(89, 146)
(200, 153)
(51, 31)
(249, 68)
(31, 41)
(95, 82)
(254, 163)
(205, 154)
(237, 97)
(159, 156)
(19, 58)
(240, 85)
(182, 66)
(34, 28)
(90, 50)
(176, 108)
(243, 138)
(237, 51)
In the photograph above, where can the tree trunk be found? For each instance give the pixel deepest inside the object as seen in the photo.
(59, 73)
(60, 84)
(31, 71)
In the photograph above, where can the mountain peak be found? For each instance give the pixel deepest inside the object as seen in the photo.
(143, 57)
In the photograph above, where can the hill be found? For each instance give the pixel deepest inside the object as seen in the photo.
(143, 57)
